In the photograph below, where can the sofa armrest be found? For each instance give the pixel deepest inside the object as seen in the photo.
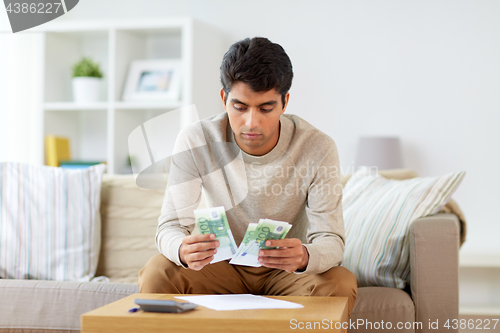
(434, 244)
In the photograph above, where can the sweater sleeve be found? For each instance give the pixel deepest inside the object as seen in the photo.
(325, 233)
(182, 197)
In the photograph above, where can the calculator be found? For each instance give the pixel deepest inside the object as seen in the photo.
(156, 305)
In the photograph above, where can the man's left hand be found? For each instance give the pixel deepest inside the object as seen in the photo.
(290, 255)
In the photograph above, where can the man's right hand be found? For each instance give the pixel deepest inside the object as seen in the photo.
(197, 251)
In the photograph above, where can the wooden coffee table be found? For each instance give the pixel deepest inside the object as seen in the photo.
(319, 313)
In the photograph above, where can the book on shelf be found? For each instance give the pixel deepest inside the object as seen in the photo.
(56, 150)
(58, 154)
(78, 164)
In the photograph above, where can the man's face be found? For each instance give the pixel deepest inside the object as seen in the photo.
(254, 117)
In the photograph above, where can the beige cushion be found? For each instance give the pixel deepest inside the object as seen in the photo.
(129, 219)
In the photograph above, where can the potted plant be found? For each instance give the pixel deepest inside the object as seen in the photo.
(87, 78)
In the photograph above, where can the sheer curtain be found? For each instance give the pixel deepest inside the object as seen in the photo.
(20, 123)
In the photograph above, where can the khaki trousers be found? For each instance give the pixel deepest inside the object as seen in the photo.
(160, 275)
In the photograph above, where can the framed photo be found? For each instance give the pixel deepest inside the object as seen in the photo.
(153, 80)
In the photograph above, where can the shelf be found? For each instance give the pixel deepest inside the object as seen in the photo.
(71, 106)
(479, 259)
(100, 131)
(485, 310)
(148, 105)
(102, 106)
(128, 24)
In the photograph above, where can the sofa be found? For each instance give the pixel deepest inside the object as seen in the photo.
(129, 220)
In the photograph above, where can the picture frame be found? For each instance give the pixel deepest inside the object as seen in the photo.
(153, 80)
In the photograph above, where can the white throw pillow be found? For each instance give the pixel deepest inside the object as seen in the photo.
(377, 217)
(50, 227)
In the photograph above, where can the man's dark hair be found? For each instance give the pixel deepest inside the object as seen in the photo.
(258, 62)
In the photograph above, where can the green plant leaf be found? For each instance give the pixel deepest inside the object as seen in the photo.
(87, 68)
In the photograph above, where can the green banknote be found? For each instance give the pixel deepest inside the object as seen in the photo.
(270, 229)
(249, 235)
(248, 252)
(214, 221)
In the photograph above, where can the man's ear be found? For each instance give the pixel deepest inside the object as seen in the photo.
(223, 97)
(287, 97)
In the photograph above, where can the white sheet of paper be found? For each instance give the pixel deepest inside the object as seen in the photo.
(239, 302)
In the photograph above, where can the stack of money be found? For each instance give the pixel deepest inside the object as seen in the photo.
(214, 221)
(255, 239)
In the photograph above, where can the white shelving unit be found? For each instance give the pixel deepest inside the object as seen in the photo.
(479, 274)
(99, 131)
(480, 259)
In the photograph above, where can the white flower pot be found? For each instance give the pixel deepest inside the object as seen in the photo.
(86, 89)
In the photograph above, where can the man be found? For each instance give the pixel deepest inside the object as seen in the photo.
(289, 172)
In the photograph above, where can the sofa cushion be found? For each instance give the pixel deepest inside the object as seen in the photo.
(54, 305)
(129, 219)
(49, 222)
(377, 216)
(377, 304)
(396, 174)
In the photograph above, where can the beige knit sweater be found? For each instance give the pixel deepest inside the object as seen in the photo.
(298, 181)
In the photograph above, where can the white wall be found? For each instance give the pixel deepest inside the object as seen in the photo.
(427, 71)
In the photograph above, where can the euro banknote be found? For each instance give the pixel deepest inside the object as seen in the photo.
(248, 252)
(249, 235)
(214, 221)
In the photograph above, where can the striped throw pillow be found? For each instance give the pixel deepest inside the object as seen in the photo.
(49, 222)
(377, 216)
